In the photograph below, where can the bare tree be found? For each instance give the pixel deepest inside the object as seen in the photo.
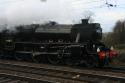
(119, 32)
(117, 37)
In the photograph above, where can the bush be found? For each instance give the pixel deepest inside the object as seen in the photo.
(121, 56)
(120, 46)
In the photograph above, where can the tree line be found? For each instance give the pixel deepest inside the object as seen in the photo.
(117, 36)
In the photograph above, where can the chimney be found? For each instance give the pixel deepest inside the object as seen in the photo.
(84, 21)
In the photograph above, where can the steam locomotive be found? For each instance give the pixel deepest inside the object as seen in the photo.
(77, 44)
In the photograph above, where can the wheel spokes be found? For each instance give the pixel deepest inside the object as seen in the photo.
(54, 59)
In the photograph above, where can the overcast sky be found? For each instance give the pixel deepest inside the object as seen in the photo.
(63, 11)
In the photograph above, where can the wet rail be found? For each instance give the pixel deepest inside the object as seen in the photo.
(60, 74)
(32, 78)
(10, 80)
(115, 69)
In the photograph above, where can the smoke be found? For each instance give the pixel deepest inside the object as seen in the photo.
(36, 11)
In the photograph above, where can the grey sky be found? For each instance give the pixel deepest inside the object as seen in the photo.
(64, 11)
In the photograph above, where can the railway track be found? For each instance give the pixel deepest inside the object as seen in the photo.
(10, 80)
(33, 78)
(115, 69)
(57, 74)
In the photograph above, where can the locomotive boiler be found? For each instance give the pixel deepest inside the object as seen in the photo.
(77, 44)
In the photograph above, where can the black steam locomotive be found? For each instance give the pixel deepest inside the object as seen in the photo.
(77, 44)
